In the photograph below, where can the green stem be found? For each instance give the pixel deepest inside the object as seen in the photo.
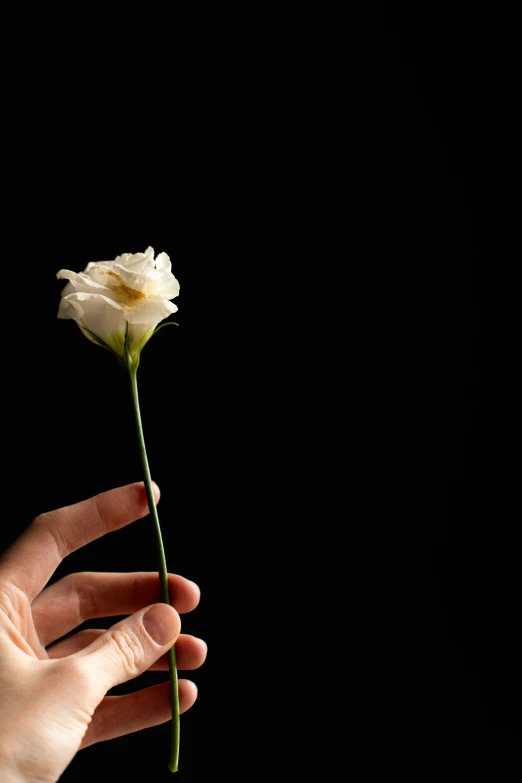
(163, 573)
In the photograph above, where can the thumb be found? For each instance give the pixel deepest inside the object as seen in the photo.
(131, 646)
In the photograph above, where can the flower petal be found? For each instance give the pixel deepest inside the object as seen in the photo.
(124, 282)
(151, 312)
(95, 264)
(137, 262)
(167, 286)
(144, 319)
(136, 281)
(162, 263)
(70, 309)
(81, 283)
(102, 316)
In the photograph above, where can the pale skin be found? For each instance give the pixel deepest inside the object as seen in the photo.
(53, 699)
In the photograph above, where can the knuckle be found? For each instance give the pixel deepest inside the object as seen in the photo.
(99, 511)
(42, 518)
(68, 583)
(78, 587)
(130, 651)
(47, 521)
(86, 596)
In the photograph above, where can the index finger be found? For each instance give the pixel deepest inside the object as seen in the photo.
(32, 559)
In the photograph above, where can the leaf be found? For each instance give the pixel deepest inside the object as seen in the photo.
(168, 323)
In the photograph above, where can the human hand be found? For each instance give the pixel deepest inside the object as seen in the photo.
(53, 696)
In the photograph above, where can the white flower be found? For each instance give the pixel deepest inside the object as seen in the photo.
(124, 298)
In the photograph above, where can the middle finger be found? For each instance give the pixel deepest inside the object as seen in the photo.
(93, 594)
(191, 651)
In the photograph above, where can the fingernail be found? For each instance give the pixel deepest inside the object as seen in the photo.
(161, 623)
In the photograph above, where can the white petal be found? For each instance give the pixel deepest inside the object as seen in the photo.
(163, 263)
(103, 317)
(96, 264)
(135, 280)
(74, 310)
(122, 281)
(151, 312)
(69, 309)
(143, 320)
(137, 262)
(168, 286)
(123, 258)
(81, 283)
(97, 271)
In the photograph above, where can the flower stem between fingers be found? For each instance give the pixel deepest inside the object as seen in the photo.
(163, 573)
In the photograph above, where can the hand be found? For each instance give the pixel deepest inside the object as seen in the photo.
(53, 696)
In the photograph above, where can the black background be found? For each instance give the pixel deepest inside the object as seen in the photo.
(319, 422)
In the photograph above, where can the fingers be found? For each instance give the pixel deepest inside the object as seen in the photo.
(128, 648)
(191, 652)
(119, 715)
(32, 559)
(91, 594)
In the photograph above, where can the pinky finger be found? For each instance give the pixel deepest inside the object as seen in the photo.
(116, 716)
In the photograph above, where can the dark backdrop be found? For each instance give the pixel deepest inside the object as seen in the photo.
(317, 423)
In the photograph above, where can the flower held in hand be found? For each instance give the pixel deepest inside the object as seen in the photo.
(118, 305)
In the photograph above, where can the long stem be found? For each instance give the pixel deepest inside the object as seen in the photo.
(163, 573)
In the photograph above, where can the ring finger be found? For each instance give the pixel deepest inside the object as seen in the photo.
(87, 595)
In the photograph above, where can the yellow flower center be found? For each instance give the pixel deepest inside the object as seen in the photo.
(125, 293)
